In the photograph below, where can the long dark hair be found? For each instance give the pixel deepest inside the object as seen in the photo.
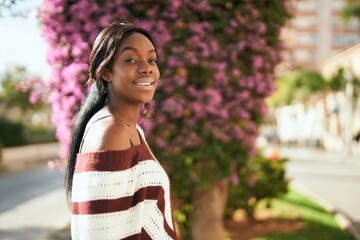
(101, 58)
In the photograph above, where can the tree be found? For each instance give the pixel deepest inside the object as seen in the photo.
(351, 9)
(217, 66)
(337, 82)
(19, 89)
(298, 86)
(6, 5)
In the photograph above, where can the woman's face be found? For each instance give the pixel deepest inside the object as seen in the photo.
(135, 73)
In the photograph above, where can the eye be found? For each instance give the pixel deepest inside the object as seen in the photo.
(130, 60)
(153, 61)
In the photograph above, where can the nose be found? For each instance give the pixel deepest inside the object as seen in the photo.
(145, 68)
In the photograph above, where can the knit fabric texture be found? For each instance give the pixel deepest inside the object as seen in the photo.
(122, 194)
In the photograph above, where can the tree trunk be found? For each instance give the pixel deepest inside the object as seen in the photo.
(326, 113)
(208, 213)
(250, 212)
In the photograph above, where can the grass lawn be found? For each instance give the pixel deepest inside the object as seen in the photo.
(317, 223)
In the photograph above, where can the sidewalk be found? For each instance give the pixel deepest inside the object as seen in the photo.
(41, 216)
(15, 158)
(36, 219)
(331, 179)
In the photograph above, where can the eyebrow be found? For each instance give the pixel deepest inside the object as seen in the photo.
(134, 49)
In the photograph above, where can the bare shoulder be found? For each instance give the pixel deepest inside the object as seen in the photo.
(105, 134)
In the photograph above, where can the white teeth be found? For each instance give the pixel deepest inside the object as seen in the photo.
(144, 84)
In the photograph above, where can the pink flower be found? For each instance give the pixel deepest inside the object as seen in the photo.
(257, 62)
(252, 180)
(235, 72)
(261, 28)
(234, 180)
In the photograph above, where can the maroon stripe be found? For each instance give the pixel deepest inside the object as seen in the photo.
(169, 231)
(112, 160)
(161, 205)
(143, 235)
(119, 204)
(124, 203)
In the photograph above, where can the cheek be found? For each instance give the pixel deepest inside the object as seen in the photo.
(122, 73)
(157, 73)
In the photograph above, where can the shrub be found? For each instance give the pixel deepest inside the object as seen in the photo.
(36, 135)
(17, 133)
(11, 133)
(263, 177)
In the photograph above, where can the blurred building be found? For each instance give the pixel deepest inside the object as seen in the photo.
(348, 58)
(318, 38)
(333, 125)
(316, 32)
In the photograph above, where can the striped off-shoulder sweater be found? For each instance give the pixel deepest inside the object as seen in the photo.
(121, 194)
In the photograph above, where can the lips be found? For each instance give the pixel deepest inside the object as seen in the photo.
(144, 83)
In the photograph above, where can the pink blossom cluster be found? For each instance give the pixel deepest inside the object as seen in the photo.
(216, 61)
(36, 87)
(70, 27)
(216, 77)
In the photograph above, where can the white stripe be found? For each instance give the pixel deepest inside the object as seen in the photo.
(122, 224)
(154, 224)
(167, 198)
(166, 185)
(111, 185)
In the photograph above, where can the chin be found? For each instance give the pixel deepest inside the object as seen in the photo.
(146, 99)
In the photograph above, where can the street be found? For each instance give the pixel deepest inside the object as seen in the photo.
(32, 204)
(19, 187)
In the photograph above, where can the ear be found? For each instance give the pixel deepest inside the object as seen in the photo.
(106, 75)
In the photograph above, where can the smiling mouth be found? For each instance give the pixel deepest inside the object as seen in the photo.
(145, 83)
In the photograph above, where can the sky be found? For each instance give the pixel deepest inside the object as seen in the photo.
(21, 42)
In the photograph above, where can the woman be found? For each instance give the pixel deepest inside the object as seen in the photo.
(117, 187)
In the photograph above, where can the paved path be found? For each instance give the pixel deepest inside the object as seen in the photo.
(332, 179)
(22, 186)
(35, 219)
(32, 201)
(23, 157)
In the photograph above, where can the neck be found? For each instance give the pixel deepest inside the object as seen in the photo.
(128, 115)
